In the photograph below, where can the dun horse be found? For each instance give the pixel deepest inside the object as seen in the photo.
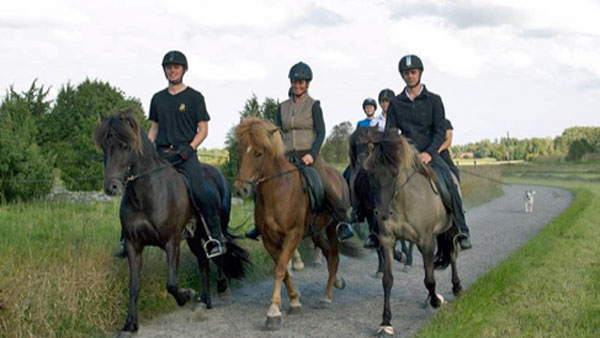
(408, 208)
(156, 210)
(282, 213)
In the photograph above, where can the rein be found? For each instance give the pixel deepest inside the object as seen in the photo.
(258, 181)
(132, 177)
(398, 189)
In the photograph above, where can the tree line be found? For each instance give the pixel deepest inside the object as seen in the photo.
(42, 139)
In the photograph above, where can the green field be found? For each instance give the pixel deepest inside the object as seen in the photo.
(58, 277)
(548, 288)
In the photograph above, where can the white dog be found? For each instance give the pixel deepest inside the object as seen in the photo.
(529, 198)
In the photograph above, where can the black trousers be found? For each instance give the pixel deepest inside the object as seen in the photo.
(202, 199)
(458, 215)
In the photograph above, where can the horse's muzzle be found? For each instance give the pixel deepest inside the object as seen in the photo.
(242, 189)
(113, 187)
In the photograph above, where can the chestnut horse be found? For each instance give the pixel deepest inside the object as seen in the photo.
(282, 213)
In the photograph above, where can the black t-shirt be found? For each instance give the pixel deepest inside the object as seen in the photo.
(177, 116)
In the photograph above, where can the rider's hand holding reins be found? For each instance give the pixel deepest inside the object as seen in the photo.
(425, 157)
(185, 152)
(307, 159)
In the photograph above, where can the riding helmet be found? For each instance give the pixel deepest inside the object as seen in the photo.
(410, 62)
(300, 71)
(175, 57)
(386, 94)
(369, 102)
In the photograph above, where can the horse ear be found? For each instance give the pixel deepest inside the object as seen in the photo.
(273, 130)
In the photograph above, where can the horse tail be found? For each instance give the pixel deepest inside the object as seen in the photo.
(235, 260)
(351, 248)
(445, 248)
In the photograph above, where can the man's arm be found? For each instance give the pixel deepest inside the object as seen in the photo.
(200, 134)
(447, 142)
(153, 131)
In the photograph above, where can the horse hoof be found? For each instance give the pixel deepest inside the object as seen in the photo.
(385, 331)
(225, 294)
(456, 290)
(340, 283)
(124, 334)
(317, 263)
(324, 303)
(273, 323)
(378, 275)
(298, 266)
(294, 310)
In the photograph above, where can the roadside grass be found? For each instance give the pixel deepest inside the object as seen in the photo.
(550, 287)
(58, 277)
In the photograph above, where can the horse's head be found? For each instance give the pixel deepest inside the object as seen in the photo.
(119, 137)
(359, 150)
(390, 157)
(258, 143)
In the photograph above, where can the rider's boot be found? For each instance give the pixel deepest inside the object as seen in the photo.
(253, 233)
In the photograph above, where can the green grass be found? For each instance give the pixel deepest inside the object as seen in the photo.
(59, 279)
(548, 288)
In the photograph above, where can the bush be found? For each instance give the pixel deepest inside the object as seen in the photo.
(25, 171)
(68, 130)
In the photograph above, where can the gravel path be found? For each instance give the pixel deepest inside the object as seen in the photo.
(497, 229)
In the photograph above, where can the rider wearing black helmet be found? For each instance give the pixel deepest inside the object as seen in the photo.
(300, 119)
(369, 107)
(179, 125)
(385, 96)
(419, 114)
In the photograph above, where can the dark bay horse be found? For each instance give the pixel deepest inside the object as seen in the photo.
(408, 208)
(156, 210)
(282, 213)
(362, 190)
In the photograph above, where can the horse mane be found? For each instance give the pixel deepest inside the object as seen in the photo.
(396, 151)
(362, 135)
(124, 128)
(260, 134)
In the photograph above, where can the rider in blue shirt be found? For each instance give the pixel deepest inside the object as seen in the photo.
(369, 107)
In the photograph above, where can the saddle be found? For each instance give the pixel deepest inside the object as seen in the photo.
(440, 185)
(311, 183)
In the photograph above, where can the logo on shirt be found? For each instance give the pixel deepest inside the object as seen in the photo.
(182, 107)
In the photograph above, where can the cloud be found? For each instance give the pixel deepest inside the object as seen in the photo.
(320, 17)
(459, 14)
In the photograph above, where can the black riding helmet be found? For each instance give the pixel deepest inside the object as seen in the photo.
(369, 102)
(175, 57)
(386, 94)
(410, 62)
(300, 71)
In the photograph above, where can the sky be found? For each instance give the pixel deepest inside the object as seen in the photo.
(529, 68)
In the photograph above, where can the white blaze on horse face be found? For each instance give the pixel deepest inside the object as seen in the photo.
(249, 150)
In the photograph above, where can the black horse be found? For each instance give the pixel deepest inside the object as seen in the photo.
(362, 194)
(156, 210)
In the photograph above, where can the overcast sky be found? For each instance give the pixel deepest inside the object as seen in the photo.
(528, 67)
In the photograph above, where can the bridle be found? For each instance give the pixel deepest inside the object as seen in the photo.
(260, 178)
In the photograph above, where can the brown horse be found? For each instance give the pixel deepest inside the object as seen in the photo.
(282, 213)
(156, 210)
(407, 207)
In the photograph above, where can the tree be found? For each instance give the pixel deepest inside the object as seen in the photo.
(252, 108)
(68, 130)
(578, 148)
(25, 171)
(336, 147)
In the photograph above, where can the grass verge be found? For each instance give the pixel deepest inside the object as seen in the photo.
(548, 288)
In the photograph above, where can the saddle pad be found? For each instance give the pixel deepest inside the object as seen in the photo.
(312, 184)
(441, 187)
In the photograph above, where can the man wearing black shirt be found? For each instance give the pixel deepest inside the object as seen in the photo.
(419, 114)
(179, 125)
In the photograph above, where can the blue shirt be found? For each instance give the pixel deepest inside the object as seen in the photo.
(364, 123)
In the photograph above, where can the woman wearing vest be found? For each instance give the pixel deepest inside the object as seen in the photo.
(300, 119)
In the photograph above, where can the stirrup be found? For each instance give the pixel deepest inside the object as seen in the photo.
(218, 245)
(337, 227)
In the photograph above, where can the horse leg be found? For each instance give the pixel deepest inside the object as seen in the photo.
(380, 264)
(333, 259)
(387, 249)
(281, 256)
(134, 256)
(428, 261)
(318, 256)
(456, 287)
(297, 263)
(222, 286)
(204, 265)
(182, 296)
